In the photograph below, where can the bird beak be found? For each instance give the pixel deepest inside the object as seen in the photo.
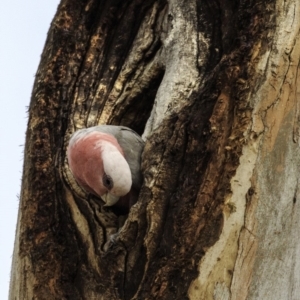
(109, 199)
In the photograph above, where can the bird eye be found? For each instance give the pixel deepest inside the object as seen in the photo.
(107, 181)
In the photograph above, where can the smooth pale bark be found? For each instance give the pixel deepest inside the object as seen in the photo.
(257, 255)
(212, 86)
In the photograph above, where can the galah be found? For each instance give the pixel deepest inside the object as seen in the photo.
(106, 161)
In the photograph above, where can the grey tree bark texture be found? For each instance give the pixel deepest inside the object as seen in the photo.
(212, 87)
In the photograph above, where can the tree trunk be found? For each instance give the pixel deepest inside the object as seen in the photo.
(212, 86)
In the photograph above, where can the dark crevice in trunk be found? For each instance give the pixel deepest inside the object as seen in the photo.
(137, 113)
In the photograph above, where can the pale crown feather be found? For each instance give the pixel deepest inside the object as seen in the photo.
(117, 168)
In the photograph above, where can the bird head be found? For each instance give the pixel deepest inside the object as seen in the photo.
(98, 165)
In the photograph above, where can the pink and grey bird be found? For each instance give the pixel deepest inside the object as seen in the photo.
(106, 161)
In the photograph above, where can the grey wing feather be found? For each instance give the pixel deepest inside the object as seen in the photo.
(132, 145)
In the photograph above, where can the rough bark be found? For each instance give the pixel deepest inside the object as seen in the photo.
(212, 86)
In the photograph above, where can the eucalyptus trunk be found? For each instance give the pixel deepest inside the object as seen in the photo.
(212, 87)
